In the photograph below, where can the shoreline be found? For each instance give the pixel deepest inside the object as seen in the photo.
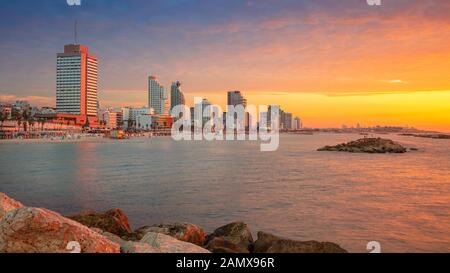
(38, 230)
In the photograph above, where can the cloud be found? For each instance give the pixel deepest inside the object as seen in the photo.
(33, 100)
(395, 81)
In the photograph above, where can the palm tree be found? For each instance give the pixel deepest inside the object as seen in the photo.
(3, 117)
(26, 115)
(42, 122)
(31, 122)
(17, 116)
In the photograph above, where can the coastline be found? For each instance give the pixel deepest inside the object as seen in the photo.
(37, 230)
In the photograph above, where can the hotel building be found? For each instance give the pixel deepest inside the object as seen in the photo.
(77, 82)
(157, 97)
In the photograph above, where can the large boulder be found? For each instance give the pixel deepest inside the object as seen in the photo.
(113, 221)
(35, 230)
(222, 245)
(182, 231)
(7, 204)
(167, 244)
(269, 243)
(234, 237)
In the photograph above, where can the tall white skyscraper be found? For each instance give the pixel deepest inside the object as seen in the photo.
(158, 98)
(77, 81)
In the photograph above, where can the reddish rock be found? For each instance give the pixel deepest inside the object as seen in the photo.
(33, 230)
(114, 221)
(182, 231)
(236, 234)
(7, 204)
(221, 245)
(268, 243)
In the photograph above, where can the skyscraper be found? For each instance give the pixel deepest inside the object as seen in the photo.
(77, 81)
(176, 96)
(287, 121)
(235, 98)
(157, 97)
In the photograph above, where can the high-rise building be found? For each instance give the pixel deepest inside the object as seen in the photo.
(269, 117)
(176, 96)
(157, 97)
(236, 98)
(287, 121)
(297, 124)
(77, 81)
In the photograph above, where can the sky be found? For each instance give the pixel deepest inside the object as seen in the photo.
(330, 62)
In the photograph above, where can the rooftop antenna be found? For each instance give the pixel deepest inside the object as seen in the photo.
(75, 32)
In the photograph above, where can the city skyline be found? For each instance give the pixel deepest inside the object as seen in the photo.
(334, 71)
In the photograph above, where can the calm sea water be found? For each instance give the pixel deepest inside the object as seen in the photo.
(400, 200)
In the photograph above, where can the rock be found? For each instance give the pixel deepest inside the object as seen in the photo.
(129, 246)
(434, 135)
(235, 237)
(367, 145)
(269, 243)
(167, 244)
(182, 231)
(113, 221)
(7, 204)
(221, 245)
(34, 230)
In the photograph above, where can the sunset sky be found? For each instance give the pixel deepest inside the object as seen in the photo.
(331, 62)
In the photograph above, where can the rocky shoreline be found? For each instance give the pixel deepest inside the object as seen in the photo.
(433, 136)
(37, 230)
(367, 145)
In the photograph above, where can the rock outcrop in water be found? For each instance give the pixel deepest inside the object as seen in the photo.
(35, 230)
(367, 145)
(433, 136)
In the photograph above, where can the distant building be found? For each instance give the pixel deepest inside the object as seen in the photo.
(280, 117)
(263, 120)
(77, 81)
(176, 96)
(200, 106)
(297, 124)
(129, 115)
(111, 119)
(157, 97)
(151, 122)
(287, 121)
(235, 98)
(47, 110)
